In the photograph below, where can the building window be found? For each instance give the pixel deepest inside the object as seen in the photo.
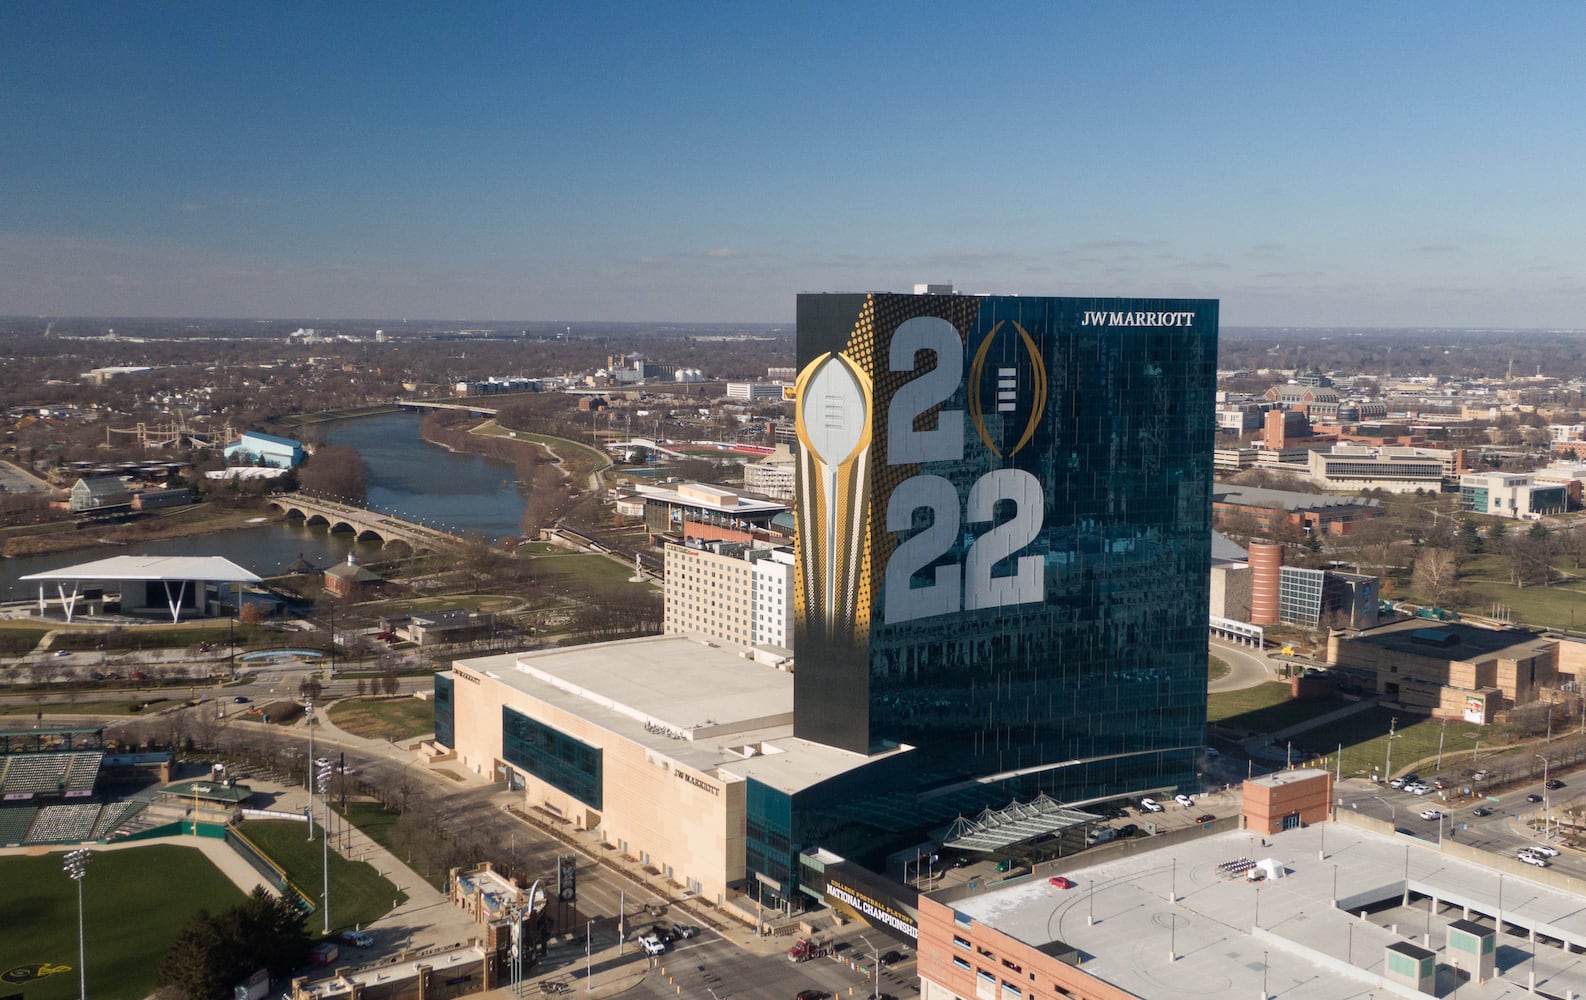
(962, 963)
(559, 760)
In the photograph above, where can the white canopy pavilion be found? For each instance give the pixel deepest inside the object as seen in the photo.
(148, 583)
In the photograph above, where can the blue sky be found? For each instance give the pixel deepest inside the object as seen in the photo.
(1307, 164)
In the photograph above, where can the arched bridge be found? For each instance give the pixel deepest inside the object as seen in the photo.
(368, 524)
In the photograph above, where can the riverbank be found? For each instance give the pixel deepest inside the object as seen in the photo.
(199, 519)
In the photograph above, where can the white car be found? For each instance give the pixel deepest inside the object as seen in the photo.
(1431, 814)
(1418, 789)
(1151, 805)
(1183, 800)
(652, 945)
(1396, 783)
(1533, 859)
(1544, 850)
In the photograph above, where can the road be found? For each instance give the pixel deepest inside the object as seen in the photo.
(1503, 832)
(1247, 665)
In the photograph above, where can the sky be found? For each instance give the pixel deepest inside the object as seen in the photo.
(1349, 164)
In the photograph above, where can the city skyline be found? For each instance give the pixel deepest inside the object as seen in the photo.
(617, 163)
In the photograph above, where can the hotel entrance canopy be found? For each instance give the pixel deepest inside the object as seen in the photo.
(998, 829)
(179, 580)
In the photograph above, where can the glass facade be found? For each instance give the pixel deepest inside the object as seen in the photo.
(1300, 595)
(445, 700)
(1004, 542)
(557, 759)
(1004, 547)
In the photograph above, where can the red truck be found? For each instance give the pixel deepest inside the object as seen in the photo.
(804, 949)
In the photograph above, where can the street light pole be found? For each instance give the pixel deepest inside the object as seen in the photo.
(309, 708)
(76, 866)
(324, 837)
(589, 957)
(875, 979)
(1546, 797)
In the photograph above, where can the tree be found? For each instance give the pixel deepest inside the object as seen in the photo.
(338, 472)
(210, 955)
(1469, 538)
(250, 614)
(1436, 577)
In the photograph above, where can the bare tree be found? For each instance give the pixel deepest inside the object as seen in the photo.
(1436, 577)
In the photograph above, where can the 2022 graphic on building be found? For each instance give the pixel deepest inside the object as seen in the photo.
(960, 457)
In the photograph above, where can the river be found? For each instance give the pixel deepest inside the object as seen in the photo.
(408, 477)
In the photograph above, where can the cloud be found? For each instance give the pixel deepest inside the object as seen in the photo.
(721, 252)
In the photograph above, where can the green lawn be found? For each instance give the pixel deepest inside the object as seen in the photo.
(1365, 739)
(358, 893)
(1265, 708)
(134, 904)
(587, 570)
(1216, 669)
(385, 718)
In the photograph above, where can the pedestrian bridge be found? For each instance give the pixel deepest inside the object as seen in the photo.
(368, 525)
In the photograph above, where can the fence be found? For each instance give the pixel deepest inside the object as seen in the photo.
(269, 870)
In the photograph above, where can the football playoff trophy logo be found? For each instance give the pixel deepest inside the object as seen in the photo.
(834, 425)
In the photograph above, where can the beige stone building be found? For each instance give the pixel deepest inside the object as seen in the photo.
(1450, 669)
(651, 742)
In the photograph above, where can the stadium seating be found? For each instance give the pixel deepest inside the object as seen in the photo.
(51, 773)
(56, 823)
(112, 816)
(84, 771)
(14, 824)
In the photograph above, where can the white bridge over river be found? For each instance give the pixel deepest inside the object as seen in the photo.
(367, 524)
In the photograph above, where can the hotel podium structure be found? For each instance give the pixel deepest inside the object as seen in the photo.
(1001, 580)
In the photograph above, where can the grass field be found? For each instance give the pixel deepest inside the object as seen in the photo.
(1264, 708)
(586, 569)
(1216, 669)
(379, 823)
(386, 718)
(1365, 739)
(358, 893)
(120, 893)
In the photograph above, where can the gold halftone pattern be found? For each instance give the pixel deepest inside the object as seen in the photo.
(869, 347)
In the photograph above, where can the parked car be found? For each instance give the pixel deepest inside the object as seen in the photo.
(1128, 830)
(1150, 805)
(1431, 814)
(1554, 784)
(1213, 753)
(357, 939)
(1205, 818)
(1183, 800)
(1062, 882)
(812, 995)
(1442, 783)
(1396, 783)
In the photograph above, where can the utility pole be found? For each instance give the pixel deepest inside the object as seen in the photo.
(1387, 764)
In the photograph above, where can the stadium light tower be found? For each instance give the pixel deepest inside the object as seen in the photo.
(76, 866)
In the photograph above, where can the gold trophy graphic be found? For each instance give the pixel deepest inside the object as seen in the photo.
(833, 421)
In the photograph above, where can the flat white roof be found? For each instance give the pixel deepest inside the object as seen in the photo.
(745, 505)
(1308, 943)
(212, 568)
(682, 696)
